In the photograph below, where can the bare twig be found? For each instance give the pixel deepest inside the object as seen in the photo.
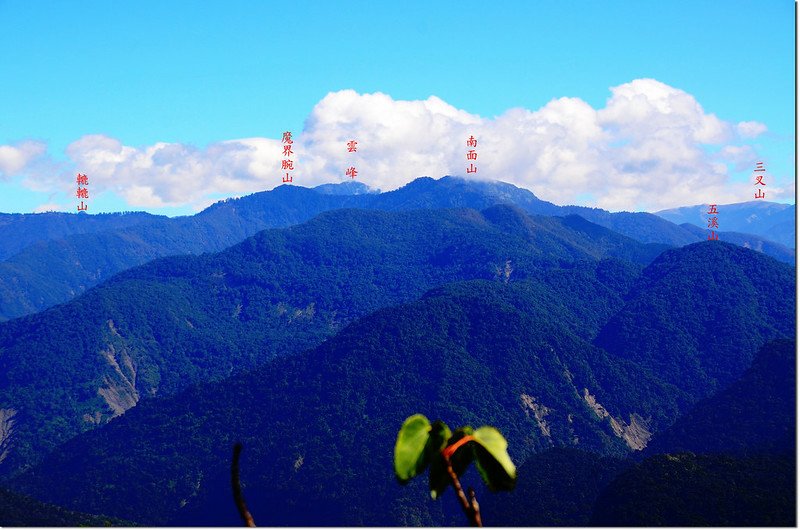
(476, 509)
(236, 486)
(470, 509)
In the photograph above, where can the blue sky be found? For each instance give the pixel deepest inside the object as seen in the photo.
(199, 73)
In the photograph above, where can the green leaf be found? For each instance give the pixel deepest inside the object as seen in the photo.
(438, 479)
(410, 456)
(492, 460)
(437, 440)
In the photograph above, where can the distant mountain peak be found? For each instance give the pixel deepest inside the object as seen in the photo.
(771, 221)
(766, 205)
(345, 188)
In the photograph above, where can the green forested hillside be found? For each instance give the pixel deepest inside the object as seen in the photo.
(729, 461)
(56, 270)
(749, 427)
(318, 427)
(158, 328)
(61, 265)
(698, 314)
(19, 231)
(314, 424)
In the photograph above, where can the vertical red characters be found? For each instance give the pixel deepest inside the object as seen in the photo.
(759, 174)
(287, 164)
(352, 147)
(713, 222)
(83, 192)
(472, 154)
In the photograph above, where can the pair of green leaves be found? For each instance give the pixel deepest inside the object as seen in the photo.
(420, 444)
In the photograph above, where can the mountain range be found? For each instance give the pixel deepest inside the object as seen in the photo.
(20, 231)
(155, 329)
(633, 365)
(758, 243)
(50, 258)
(771, 220)
(511, 353)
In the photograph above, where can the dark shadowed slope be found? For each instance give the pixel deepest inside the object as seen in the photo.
(701, 490)
(21, 510)
(755, 414)
(558, 487)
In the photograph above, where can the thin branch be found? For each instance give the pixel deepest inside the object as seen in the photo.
(470, 511)
(236, 486)
(476, 509)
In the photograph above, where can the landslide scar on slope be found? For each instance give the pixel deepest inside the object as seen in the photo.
(635, 434)
(119, 392)
(529, 405)
(6, 431)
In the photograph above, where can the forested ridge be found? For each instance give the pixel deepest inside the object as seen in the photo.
(318, 426)
(158, 328)
(609, 364)
(51, 258)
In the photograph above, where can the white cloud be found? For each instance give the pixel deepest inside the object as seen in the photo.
(742, 156)
(750, 129)
(13, 158)
(397, 140)
(651, 146)
(785, 192)
(174, 174)
(649, 107)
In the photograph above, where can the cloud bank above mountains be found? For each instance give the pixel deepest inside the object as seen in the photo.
(652, 146)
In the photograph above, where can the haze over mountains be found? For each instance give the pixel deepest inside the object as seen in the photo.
(757, 243)
(603, 346)
(55, 256)
(19, 231)
(771, 220)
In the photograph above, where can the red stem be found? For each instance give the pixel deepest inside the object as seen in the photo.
(470, 507)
